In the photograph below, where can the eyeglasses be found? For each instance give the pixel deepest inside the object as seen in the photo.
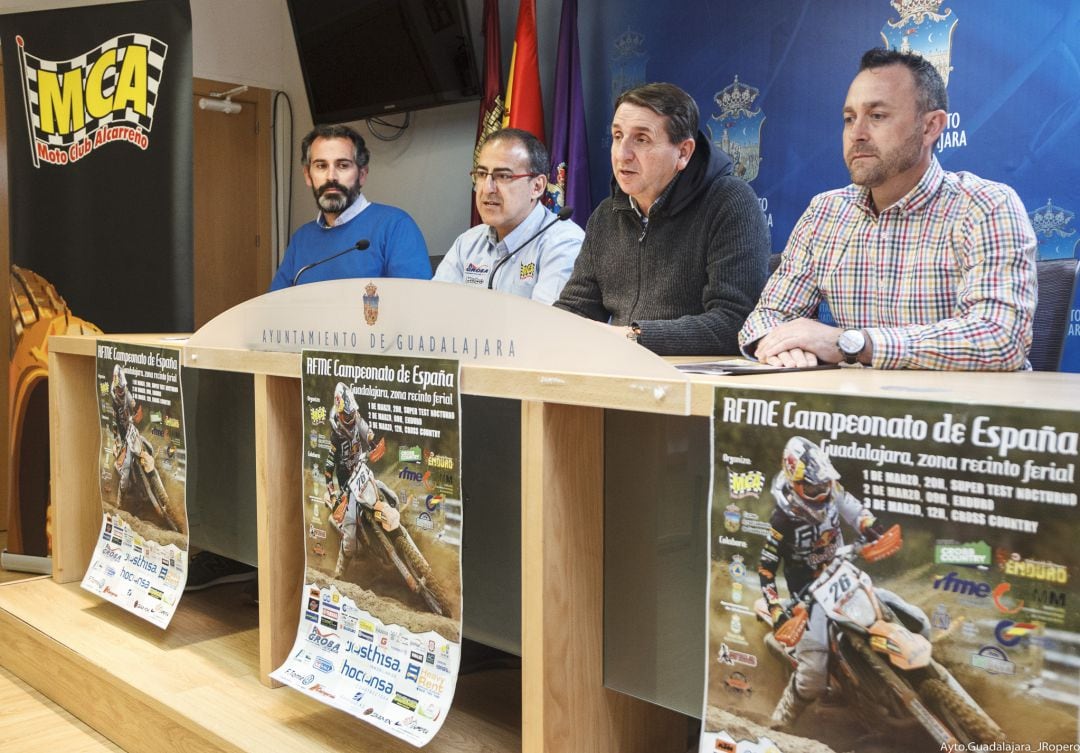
(501, 177)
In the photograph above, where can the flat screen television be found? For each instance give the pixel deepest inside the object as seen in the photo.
(365, 58)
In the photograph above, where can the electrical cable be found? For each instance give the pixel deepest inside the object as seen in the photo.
(282, 224)
(400, 129)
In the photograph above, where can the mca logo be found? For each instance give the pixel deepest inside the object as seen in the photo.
(528, 271)
(749, 484)
(106, 94)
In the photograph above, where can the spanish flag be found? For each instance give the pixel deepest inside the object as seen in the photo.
(524, 104)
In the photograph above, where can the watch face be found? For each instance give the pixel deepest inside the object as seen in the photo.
(851, 342)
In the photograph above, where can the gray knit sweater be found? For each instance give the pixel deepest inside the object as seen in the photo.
(691, 276)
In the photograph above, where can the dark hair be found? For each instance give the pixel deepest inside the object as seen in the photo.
(361, 155)
(539, 161)
(928, 82)
(668, 100)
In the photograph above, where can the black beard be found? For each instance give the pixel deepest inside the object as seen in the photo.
(337, 203)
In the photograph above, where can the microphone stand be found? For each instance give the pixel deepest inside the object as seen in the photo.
(360, 245)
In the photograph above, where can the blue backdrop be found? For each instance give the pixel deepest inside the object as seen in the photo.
(771, 76)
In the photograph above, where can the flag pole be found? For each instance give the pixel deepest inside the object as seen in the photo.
(26, 98)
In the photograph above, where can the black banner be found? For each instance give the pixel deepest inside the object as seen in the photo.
(100, 161)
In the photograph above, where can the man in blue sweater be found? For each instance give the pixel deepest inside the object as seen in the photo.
(335, 162)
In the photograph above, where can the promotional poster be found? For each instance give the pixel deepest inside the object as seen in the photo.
(140, 559)
(379, 633)
(891, 575)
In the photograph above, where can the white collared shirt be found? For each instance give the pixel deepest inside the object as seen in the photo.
(351, 211)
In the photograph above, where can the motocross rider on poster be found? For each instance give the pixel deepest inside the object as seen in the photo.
(805, 535)
(127, 413)
(351, 439)
(124, 412)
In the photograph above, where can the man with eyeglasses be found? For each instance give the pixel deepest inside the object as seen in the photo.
(335, 162)
(521, 247)
(677, 255)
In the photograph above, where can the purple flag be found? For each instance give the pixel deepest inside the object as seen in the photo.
(568, 185)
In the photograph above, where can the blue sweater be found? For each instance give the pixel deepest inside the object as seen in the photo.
(397, 249)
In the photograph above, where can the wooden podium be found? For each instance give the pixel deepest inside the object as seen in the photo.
(198, 680)
(202, 685)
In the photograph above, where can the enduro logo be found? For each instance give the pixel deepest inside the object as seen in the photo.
(1014, 564)
(106, 94)
(438, 461)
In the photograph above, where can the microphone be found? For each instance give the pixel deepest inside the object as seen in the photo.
(564, 214)
(360, 245)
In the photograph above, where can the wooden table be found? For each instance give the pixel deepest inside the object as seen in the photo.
(564, 704)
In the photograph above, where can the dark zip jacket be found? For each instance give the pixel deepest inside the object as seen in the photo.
(688, 277)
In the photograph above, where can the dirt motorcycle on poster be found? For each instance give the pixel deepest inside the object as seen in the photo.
(380, 629)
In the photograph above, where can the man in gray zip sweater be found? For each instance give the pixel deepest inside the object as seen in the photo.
(678, 254)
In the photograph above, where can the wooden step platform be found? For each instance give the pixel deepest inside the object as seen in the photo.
(195, 687)
(31, 722)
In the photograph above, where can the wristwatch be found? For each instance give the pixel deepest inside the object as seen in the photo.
(633, 333)
(852, 342)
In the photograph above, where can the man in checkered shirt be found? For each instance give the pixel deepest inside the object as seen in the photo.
(921, 268)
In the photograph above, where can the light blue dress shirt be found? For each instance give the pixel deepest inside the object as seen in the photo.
(537, 270)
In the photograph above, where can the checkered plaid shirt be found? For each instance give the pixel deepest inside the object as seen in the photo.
(943, 279)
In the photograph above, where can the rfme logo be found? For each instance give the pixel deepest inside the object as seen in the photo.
(952, 583)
